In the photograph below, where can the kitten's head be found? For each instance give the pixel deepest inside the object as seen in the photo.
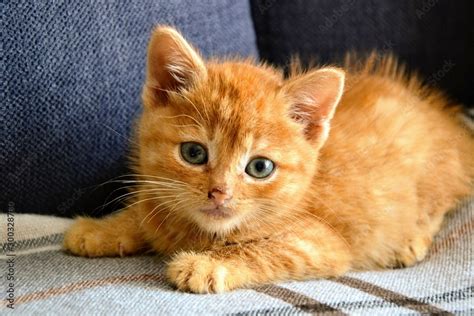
(230, 144)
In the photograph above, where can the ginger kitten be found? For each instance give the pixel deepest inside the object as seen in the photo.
(247, 178)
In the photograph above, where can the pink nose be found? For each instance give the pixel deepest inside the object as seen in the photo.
(219, 196)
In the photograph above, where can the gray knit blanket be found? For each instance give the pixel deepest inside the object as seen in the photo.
(38, 277)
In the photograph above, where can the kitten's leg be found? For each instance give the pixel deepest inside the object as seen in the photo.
(115, 235)
(315, 254)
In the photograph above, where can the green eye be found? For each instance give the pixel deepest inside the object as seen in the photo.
(194, 153)
(260, 168)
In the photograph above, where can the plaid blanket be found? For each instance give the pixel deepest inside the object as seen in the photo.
(39, 278)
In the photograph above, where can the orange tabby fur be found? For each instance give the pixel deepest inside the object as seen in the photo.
(372, 195)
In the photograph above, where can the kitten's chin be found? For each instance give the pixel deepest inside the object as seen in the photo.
(220, 220)
(217, 213)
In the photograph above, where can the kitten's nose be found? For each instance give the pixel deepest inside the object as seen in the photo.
(219, 196)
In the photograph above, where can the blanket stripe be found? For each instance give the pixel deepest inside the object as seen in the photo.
(41, 295)
(54, 239)
(298, 300)
(446, 297)
(391, 296)
(458, 231)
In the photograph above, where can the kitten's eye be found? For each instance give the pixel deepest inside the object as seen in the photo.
(194, 153)
(260, 167)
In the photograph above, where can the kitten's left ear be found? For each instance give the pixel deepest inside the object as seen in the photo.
(315, 96)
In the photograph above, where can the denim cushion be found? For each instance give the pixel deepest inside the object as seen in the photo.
(435, 37)
(72, 75)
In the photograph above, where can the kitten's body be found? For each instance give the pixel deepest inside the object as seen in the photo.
(371, 195)
(395, 162)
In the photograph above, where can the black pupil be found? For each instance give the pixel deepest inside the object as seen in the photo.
(194, 151)
(260, 166)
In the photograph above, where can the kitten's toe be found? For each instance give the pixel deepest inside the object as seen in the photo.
(414, 251)
(198, 273)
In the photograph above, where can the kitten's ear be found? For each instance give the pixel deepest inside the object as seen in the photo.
(172, 65)
(314, 96)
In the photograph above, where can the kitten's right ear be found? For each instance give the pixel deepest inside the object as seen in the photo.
(172, 65)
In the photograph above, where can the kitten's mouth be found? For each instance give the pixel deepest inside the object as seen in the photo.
(217, 212)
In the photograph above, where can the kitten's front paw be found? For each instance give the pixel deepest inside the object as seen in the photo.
(88, 237)
(414, 251)
(199, 273)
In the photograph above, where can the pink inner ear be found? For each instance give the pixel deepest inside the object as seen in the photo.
(315, 96)
(162, 81)
(172, 63)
